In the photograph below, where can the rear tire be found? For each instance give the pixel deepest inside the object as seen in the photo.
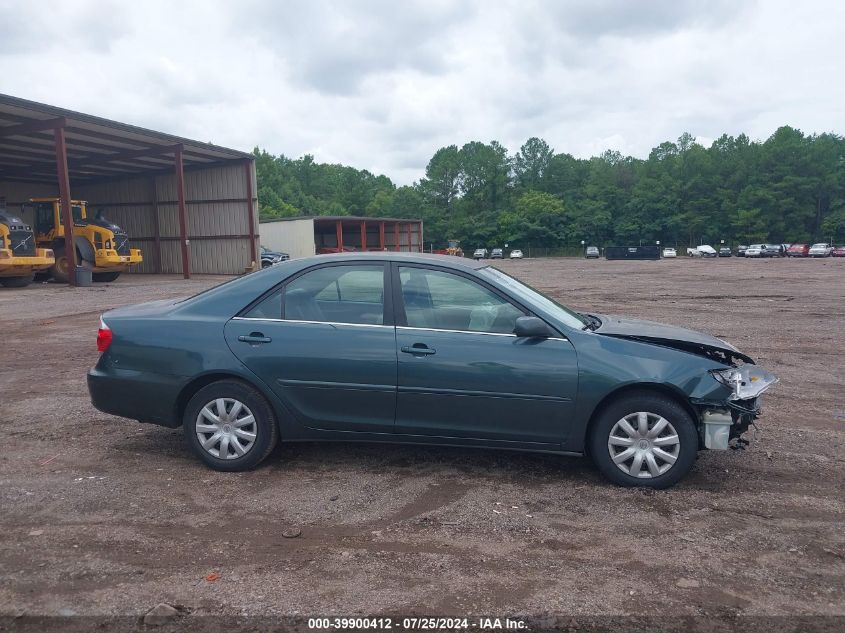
(103, 277)
(16, 282)
(642, 457)
(230, 426)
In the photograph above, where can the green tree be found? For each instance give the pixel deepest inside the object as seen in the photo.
(789, 187)
(532, 162)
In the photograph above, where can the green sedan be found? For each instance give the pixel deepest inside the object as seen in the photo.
(405, 348)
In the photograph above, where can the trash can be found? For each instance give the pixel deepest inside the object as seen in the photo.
(83, 276)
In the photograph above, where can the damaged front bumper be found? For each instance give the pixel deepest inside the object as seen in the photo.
(725, 420)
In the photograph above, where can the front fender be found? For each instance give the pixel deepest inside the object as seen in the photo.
(607, 365)
(84, 248)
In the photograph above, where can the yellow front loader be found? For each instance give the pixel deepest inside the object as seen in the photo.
(101, 246)
(455, 249)
(20, 258)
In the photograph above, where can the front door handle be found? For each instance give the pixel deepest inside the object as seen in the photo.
(419, 349)
(254, 338)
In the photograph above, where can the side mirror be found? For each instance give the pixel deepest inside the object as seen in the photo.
(532, 327)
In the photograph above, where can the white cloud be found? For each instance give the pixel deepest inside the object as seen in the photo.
(381, 85)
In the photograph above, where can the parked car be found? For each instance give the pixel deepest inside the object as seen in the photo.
(420, 349)
(773, 250)
(592, 252)
(725, 251)
(669, 252)
(798, 250)
(268, 257)
(838, 251)
(755, 250)
(740, 250)
(822, 249)
(705, 250)
(497, 253)
(480, 253)
(516, 254)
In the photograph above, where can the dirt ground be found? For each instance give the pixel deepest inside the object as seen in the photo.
(104, 516)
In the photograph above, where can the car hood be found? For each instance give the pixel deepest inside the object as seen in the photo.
(669, 336)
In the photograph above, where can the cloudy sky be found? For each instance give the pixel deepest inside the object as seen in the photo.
(382, 84)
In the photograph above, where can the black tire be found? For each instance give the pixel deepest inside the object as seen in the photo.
(266, 429)
(266, 264)
(104, 277)
(59, 270)
(16, 282)
(656, 404)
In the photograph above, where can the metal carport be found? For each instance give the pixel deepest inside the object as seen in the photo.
(166, 191)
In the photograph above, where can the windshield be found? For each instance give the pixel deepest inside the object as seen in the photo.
(533, 297)
(819, 245)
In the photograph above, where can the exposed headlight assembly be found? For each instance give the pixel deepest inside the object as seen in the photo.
(747, 382)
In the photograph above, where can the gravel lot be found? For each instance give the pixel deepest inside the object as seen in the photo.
(102, 515)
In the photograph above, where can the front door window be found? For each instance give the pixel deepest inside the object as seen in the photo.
(444, 301)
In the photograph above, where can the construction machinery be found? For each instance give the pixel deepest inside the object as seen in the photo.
(20, 258)
(101, 246)
(453, 249)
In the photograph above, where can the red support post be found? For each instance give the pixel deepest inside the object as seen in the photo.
(156, 224)
(339, 234)
(381, 236)
(396, 244)
(64, 197)
(363, 236)
(420, 236)
(250, 210)
(183, 215)
(410, 239)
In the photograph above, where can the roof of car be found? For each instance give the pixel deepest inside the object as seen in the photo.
(449, 261)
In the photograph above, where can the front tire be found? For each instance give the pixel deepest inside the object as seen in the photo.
(60, 270)
(230, 426)
(644, 440)
(104, 277)
(16, 282)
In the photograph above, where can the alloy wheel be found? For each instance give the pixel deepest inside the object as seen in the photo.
(643, 445)
(226, 428)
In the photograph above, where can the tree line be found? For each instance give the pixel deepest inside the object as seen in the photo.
(788, 188)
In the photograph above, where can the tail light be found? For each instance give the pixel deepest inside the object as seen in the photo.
(104, 336)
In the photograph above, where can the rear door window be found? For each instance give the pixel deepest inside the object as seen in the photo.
(339, 294)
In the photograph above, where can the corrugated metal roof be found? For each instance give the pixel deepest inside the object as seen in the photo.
(97, 148)
(345, 218)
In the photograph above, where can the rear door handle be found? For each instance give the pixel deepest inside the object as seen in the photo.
(254, 338)
(419, 349)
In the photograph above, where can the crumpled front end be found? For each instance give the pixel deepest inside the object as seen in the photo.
(725, 418)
